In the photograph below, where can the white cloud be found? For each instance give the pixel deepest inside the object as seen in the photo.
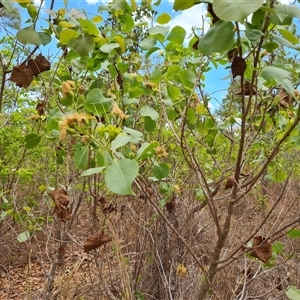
(93, 1)
(192, 17)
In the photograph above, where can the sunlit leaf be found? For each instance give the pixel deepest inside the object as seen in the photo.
(219, 38)
(120, 175)
(23, 237)
(32, 140)
(237, 10)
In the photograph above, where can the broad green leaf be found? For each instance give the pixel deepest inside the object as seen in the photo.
(270, 47)
(281, 76)
(32, 140)
(83, 44)
(121, 140)
(32, 11)
(148, 43)
(160, 171)
(45, 38)
(293, 293)
(96, 102)
(53, 117)
(191, 116)
(150, 125)
(294, 233)
(289, 36)
(128, 23)
(29, 36)
(121, 42)
(136, 136)
(219, 38)
(187, 78)
(120, 175)
(67, 35)
(177, 35)
(148, 111)
(185, 4)
(112, 71)
(8, 5)
(253, 34)
(92, 171)
(152, 50)
(237, 10)
(164, 18)
(285, 42)
(122, 67)
(23, 237)
(90, 27)
(81, 156)
(155, 76)
(173, 92)
(284, 14)
(145, 149)
(107, 48)
(159, 31)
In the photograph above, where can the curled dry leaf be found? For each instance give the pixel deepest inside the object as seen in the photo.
(232, 54)
(22, 76)
(285, 99)
(238, 66)
(170, 206)
(38, 65)
(261, 249)
(61, 199)
(40, 107)
(230, 182)
(247, 89)
(95, 240)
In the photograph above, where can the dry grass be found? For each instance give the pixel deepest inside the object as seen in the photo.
(141, 260)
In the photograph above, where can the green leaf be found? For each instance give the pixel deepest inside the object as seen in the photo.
(237, 10)
(289, 36)
(148, 111)
(173, 92)
(150, 125)
(53, 117)
(294, 233)
(187, 78)
(29, 36)
(81, 156)
(285, 42)
(148, 43)
(270, 47)
(120, 175)
(107, 48)
(159, 32)
(293, 293)
(284, 14)
(8, 5)
(146, 149)
(219, 38)
(32, 140)
(89, 27)
(121, 140)
(152, 50)
(253, 34)
(185, 4)
(92, 171)
(45, 38)
(160, 171)
(128, 23)
(164, 18)
(177, 35)
(155, 76)
(67, 35)
(136, 136)
(23, 237)
(83, 44)
(96, 102)
(278, 74)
